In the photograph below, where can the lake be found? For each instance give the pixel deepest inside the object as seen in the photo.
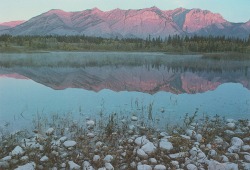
(158, 88)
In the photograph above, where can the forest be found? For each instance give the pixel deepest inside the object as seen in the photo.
(174, 44)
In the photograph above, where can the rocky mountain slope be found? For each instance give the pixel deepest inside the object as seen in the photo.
(130, 23)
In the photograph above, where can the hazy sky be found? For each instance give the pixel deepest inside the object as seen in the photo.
(232, 10)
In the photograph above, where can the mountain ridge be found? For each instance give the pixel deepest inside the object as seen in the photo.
(132, 23)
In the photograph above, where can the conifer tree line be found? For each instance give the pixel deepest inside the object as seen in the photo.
(175, 43)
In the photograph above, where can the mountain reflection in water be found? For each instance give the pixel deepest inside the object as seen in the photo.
(146, 79)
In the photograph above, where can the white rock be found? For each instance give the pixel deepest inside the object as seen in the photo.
(108, 166)
(178, 155)
(141, 140)
(198, 137)
(149, 148)
(190, 133)
(50, 131)
(185, 137)
(246, 148)
(218, 140)
(175, 164)
(133, 164)
(17, 151)
(229, 132)
(162, 134)
(44, 158)
(99, 144)
(87, 166)
(96, 158)
(73, 165)
(246, 166)
(103, 168)
(6, 158)
(144, 167)
(63, 165)
(69, 143)
(231, 125)
(212, 152)
(165, 145)
(108, 158)
(236, 141)
(141, 154)
(160, 167)
(191, 167)
(236, 145)
(90, 123)
(153, 161)
(4, 165)
(247, 158)
(224, 158)
(28, 166)
(134, 118)
(214, 165)
(24, 158)
(91, 135)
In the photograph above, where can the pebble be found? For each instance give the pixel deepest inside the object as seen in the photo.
(149, 148)
(165, 145)
(109, 166)
(73, 165)
(6, 158)
(231, 126)
(134, 118)
(153, 161)
(144, 167)
(28, 166)
(191, 167)
(17, 151)
(190, 133)
(141, 140)
(160, 167)
(69, 143)
(50, 131)
(108, 158)
(247, 158)
(246, 148)
(44, 158)
(141, 154)
(96, 158)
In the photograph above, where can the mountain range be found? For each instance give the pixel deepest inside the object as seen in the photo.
(128, 23)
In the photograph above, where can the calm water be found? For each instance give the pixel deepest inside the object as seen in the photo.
(123, 89)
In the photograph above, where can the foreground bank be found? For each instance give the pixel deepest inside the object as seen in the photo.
(210, 143)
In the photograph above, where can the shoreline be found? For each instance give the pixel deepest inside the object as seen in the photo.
(212, 143)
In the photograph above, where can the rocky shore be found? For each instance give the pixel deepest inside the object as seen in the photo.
(214, 144)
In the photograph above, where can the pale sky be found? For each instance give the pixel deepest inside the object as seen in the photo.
(231, 10)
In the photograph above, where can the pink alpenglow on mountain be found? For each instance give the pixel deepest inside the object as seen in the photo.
(11, 23)
(138, 23)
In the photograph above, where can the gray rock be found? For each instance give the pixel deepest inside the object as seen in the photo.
(141, 154)
(160, 167)
(134, 118)
(198, 137)
(50, 131)
(247, 158)
(231, 126)
(144, 167)
(44, 159)
(190, 133)
(96, 158)
(4, 165)
(141, 140)
(69, 143)
(178, 155)
(17, 151)
(191, 167)
(245, 147)
(6, 158)
(28, 166)
(165, 145)
(153, 161)
(109, 166)
(108, 158)
(73, 165)
(149, 148)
